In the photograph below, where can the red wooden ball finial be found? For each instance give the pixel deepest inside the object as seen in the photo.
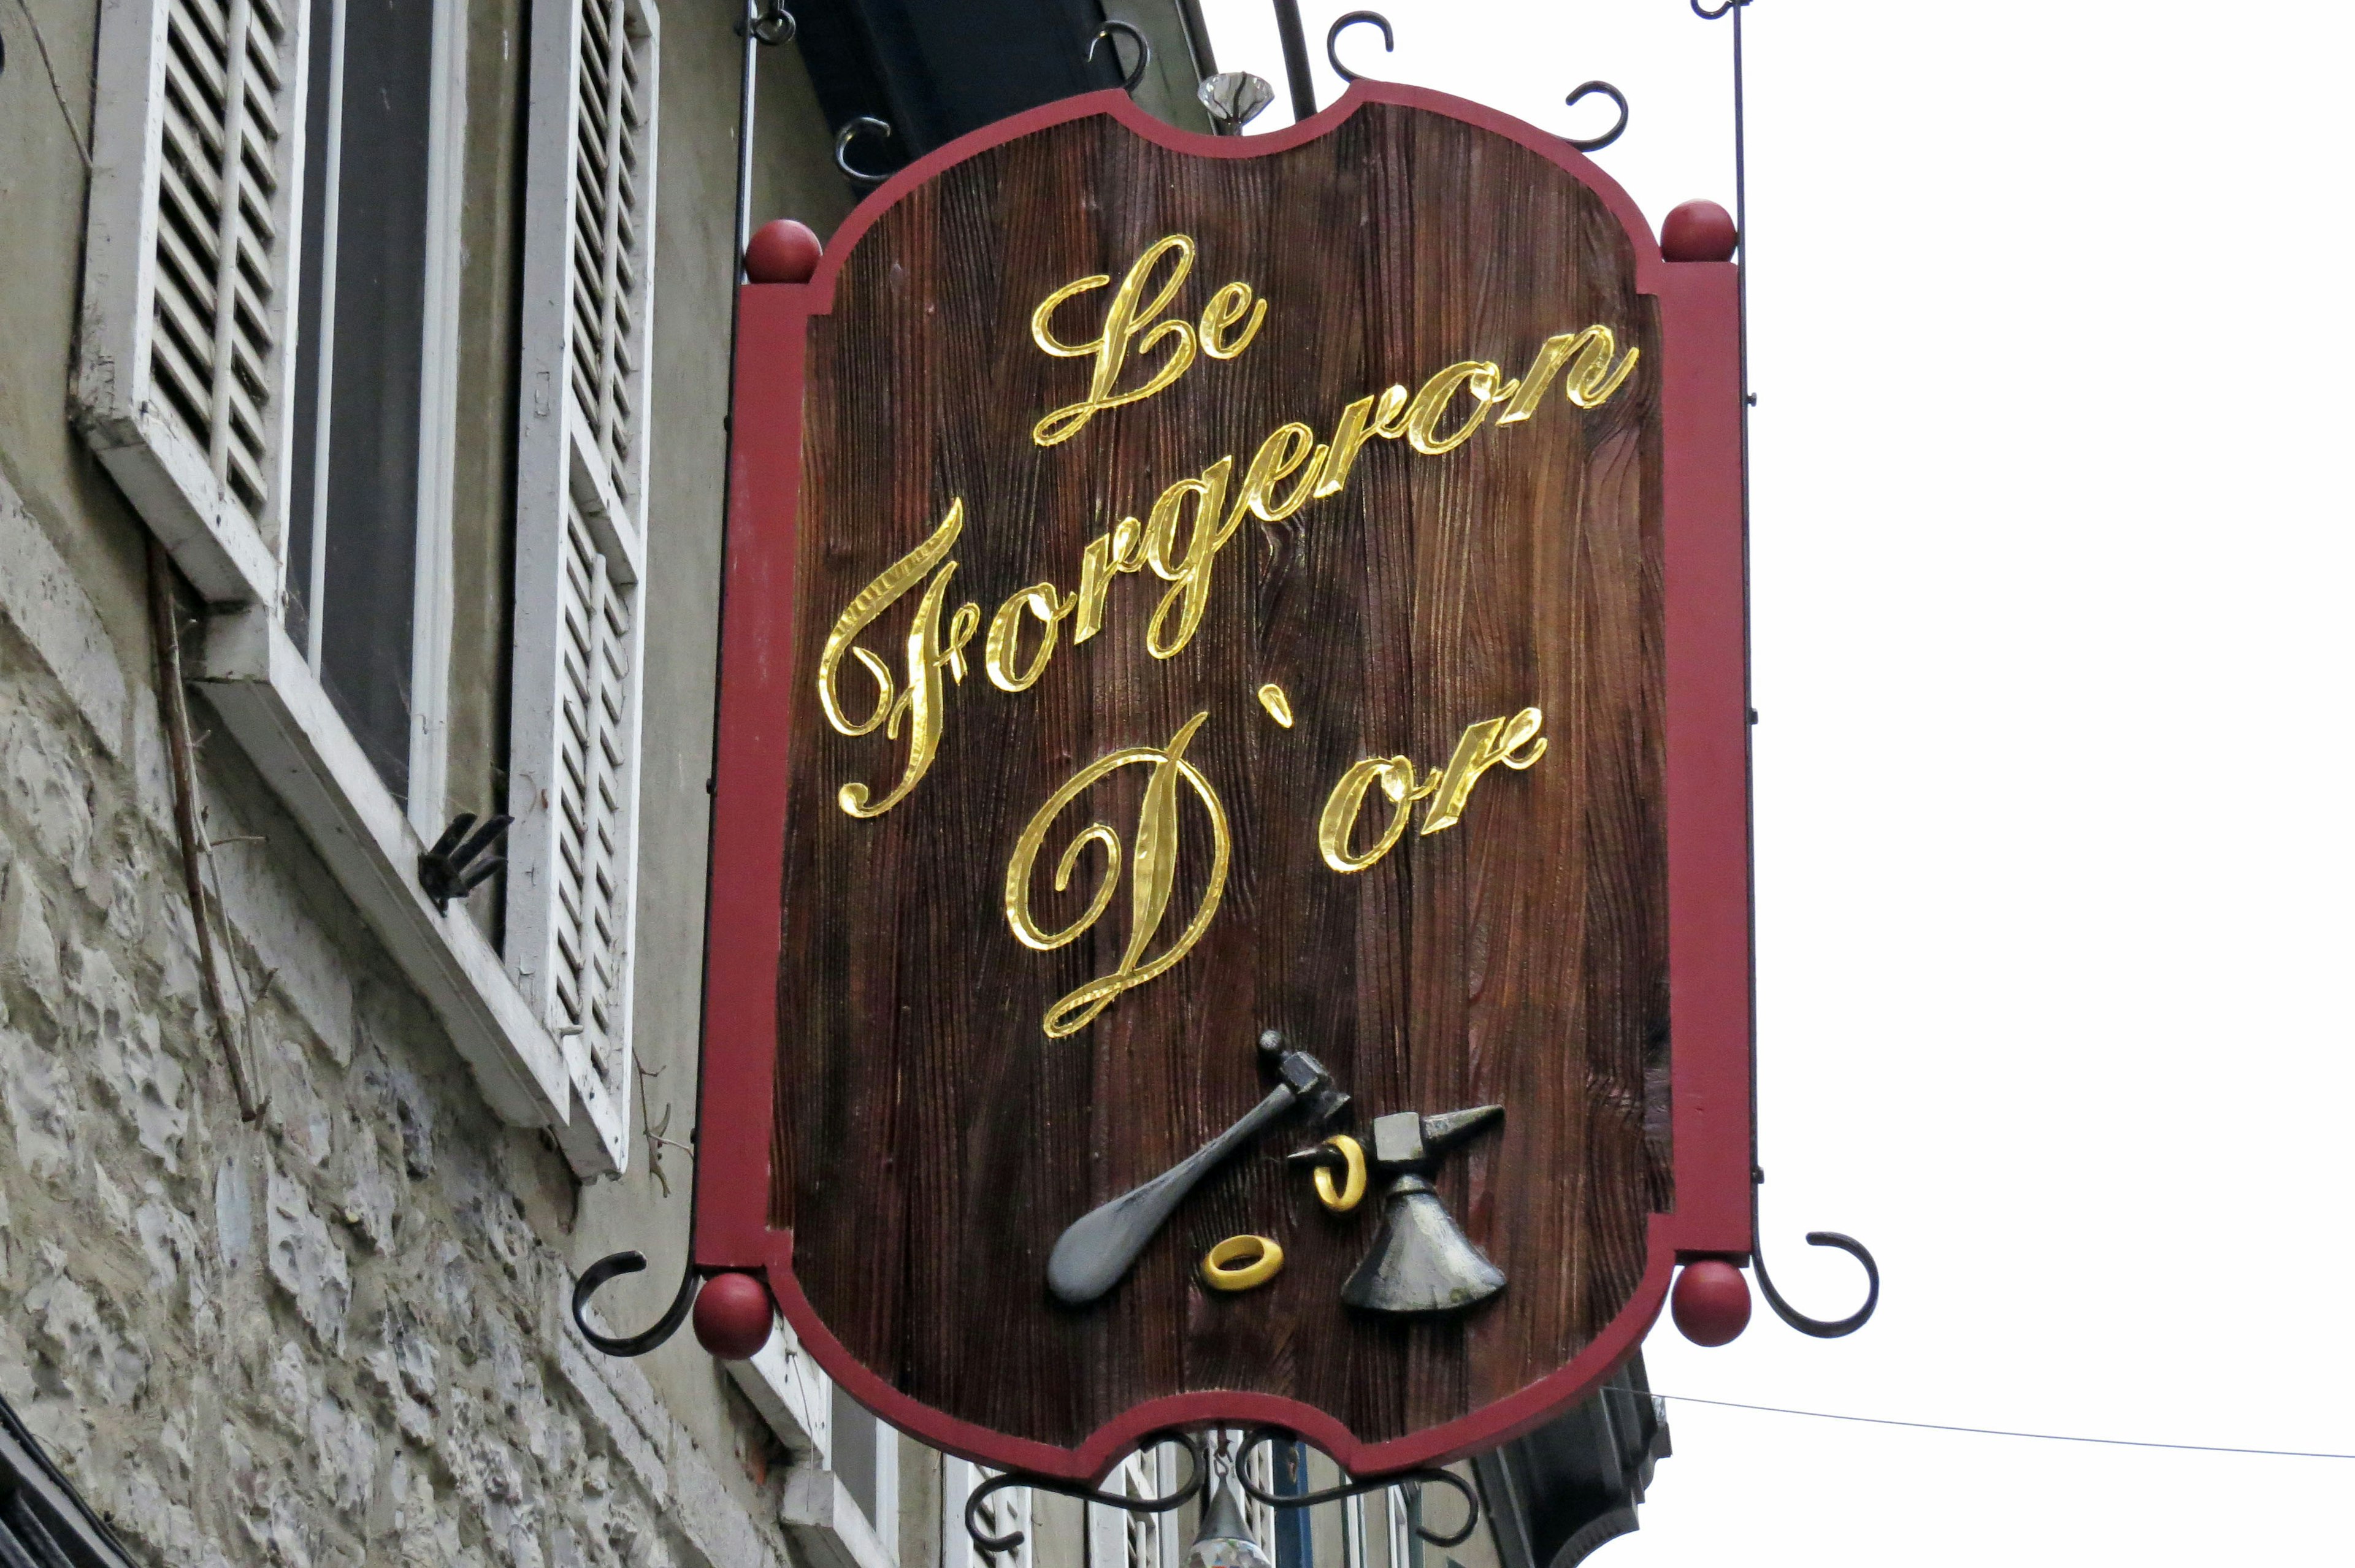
(781, 251)
(1711, 1303)
(1698, 231)
(732, 1314)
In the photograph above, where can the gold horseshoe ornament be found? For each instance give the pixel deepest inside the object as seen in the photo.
(1240, 1263)
(1353, 1181)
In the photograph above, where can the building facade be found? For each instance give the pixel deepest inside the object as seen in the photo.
(363, 453)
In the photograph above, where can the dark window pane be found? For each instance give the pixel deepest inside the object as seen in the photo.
(370, 538)
(1294, 1548)
(854, 1451)
(310, 339)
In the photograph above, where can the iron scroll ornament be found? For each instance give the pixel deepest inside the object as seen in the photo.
(1578, 94)
(1821, 1328)
(1427, 1475)
(1144, 51)
(1350, 19)
(1587, 88)
(614, 1267)
(1200, 1470)
(842, 140)
(1198, 1476)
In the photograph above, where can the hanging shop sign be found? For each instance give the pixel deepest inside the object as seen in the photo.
(1231, 882)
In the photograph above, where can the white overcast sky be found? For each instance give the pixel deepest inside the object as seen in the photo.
(2052, 331)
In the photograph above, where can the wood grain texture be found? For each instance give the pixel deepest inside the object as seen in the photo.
(932, 1142)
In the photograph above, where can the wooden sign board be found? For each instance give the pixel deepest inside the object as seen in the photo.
(1183, 589)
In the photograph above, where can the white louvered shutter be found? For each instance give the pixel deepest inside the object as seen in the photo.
(580, 547)
(180, 382)
(1002, 1513)
(1117, 1537)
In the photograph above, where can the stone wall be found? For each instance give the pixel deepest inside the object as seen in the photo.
(332, 1335)
(338, 1334)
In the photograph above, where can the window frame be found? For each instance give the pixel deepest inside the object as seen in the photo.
(432, 611)
(268, 691)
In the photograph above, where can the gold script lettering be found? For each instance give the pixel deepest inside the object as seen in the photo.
(1593, 377)
(1431, 402)
(1127, 321)
(1338, 823)
(1189, 572)
(1513, 741)
(1291, 466)
(1360, 422)
(1483, 745)
(922, 704)
(1107, 556)
(1230, 304)
(1153, 873)
(1000, 652)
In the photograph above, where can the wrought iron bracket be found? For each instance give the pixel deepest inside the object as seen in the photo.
(614, 1267)
(1822, 1328)
(1198, 1476)
(456, 864)
(1426, 1475)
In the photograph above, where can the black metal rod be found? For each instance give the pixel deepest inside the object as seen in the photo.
(744, 99)
(1296, 59)
(1742, 248)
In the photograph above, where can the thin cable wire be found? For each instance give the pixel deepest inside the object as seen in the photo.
(1993, 1431)
(41, 45)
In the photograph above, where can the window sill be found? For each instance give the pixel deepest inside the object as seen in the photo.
(824, 1521)
(275, 706)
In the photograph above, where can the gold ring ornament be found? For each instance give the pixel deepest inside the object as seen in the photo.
(1239, 1263)
(1353, 1184)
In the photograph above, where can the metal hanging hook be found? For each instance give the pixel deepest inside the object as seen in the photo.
(614, 1267)
(1821, 1328)
(1587, 88)
(771, 24)
(1144, 51)
(842, 148)
(1198, 1474)
(1712, 16)
(1352, 19)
